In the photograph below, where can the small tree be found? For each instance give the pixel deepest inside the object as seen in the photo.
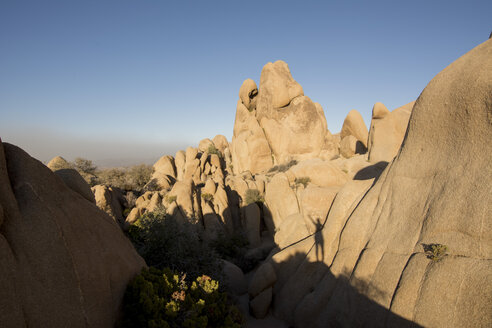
(84, 166)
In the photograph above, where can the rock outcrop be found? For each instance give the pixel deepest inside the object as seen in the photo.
(387, 131)
(372, 264)
(293, 124)
(65, 263)
(74, 181)
(277, 123)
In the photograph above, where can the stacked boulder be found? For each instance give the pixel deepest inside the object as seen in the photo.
(408, 249)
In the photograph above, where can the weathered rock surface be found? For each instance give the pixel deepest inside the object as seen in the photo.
(74, 181)
(250, 150)
(164, 173)
(110, 201)
(368, 266)
(65, 263)
(387, 132)
(294, 126)
(354, 125)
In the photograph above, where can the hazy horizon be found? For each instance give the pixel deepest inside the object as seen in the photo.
(126, 82)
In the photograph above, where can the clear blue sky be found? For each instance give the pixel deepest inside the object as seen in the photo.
(139, 79)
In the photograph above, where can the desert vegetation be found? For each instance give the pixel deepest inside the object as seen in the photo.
(165, 298)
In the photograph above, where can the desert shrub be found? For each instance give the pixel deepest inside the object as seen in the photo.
(207, 197)
(282, 167)
(61, 165)
(435, 252)
(84, 166)
(253, 196)
(302, 181)
(164, 298)
(131, 178)
(233, 249)
(164, 242)
(170, 198)
(213, 150)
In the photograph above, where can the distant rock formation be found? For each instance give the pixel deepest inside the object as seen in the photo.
(65, 263)
(414, 247)
(277, 123)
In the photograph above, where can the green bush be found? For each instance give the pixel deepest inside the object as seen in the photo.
(170, 198)
(158, 298)
(253, 196)
(213, 150)
(164, 242)
(435, 252)
(282, 167)
(207, 197)
(302, 181)
(131, 178)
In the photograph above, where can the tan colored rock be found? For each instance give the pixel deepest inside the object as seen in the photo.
(209, 187)
(291, 229)
(248, 93)
(58, 163)
(183, 192)
(252, 221)
(190, 154)
(354, 125)
(220, 142)
(277, 84)
(294, 126)
(60, 254)
(379, 111)
(74, 181)
(164, 172)
(191, 168)
(249, 148)
(261, 304)
(280, 199)
(387, 132)
(223, 208)
(293, 132)
(110, 201)
(179, 161)
(215, 160)
(205, 144)
(348, 146)
(321, 173)
(375, 268)
(314, 203)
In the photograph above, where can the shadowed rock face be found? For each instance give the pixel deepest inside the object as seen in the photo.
(64, 262)
(436, 191)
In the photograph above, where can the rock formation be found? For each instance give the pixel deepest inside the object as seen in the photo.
(65, 263)
(387, 131)
(373, 263)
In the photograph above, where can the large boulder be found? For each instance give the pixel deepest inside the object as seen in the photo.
(378, 266)
(164, 172)
(281, 199)
(250, 150)
(354, 125)
(110, 201)
(74, 181)
(294, 126)
(248, 93)
(387, 131)
(65, 263)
